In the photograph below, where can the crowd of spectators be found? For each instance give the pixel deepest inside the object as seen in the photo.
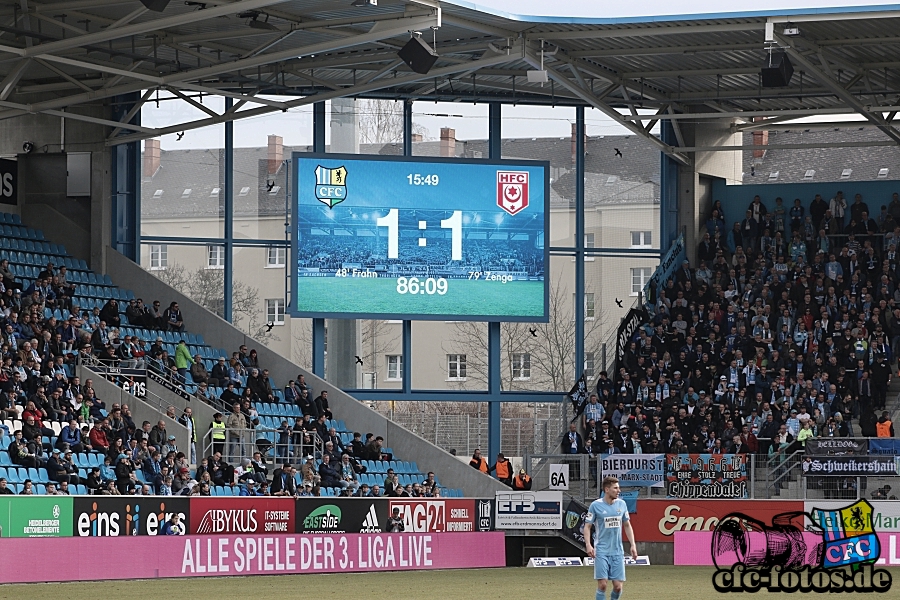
(787, 328)
(40, 350)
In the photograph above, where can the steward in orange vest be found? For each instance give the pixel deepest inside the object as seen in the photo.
(478, 462)
(522, 482)
(884, 428)
(503, 469)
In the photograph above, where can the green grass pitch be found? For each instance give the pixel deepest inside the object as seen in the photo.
(379, 296)
(565, 583)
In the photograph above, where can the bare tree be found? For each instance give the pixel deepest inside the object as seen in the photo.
(381, 122)
(206, 287)
(376, 339)
(473, 337)
(549, 351)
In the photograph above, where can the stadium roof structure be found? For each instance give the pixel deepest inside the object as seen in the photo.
(56, 55)
(189, 181)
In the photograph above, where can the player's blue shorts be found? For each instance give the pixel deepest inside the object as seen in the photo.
(610, 567)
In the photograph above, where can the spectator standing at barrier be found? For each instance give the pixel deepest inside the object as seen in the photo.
(187, 419)
(183, 360)
(236, 425)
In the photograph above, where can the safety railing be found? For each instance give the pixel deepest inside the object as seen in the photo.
(236, 444)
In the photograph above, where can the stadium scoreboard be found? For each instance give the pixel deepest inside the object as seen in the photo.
(419, 238)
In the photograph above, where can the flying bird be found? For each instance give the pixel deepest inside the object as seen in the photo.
(533, 332)
(358, 360)
(269, 327)
(618, 303)
(618, 152)
(180, 135)
(270, 185)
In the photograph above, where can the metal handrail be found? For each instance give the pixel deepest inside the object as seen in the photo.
(242, 443)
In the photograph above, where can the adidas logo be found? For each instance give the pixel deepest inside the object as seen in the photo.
(370, 523)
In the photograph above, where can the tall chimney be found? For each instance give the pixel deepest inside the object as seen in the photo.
(416, 137)
(760, 138)
(575, 141)
(448, 141)
(276, 153)
(151, 157)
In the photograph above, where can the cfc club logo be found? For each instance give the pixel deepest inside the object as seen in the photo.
(835, 552)
(331, 185)
(512, 191)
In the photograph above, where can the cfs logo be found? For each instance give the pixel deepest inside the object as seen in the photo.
(512, 191)
(485, 515)
(331, 185)
(515, 503)
(109, 524)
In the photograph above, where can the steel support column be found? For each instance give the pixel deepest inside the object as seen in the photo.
(318, 325)
(126, 185)
(579, 239)
(406, 365)
(229, 215)
(495, 137)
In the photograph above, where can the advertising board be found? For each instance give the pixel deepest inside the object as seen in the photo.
(528, 510)
(257, 554)
(658, 520)
(218, 516)
(113, 516)
(341, 515)
(35, 516)
(433, 516)
(635, 470)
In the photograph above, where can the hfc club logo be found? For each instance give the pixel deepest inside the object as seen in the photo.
(331, 185)
(512, 190)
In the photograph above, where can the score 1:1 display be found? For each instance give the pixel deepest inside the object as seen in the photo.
(392, 222)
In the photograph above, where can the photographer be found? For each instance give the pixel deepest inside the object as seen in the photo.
(395, 522)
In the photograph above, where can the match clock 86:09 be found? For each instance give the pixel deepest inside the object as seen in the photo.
(428, 285)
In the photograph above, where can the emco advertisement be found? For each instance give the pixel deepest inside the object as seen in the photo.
(218, 516)
(434, 516)
(528, 510)
(272, 554)
(113, 516)
(658, 520)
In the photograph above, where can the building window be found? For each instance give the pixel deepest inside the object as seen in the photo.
(244, 191)
(639, 278)
(214, 192)
(275, 257)
(588, 364)
(275, 189)
(159, 257)
(394, 367)
(521, 366)
(186, 193)
(641, 239)
(589, 306)
(275, 311)
(456, 367)
(215, 257)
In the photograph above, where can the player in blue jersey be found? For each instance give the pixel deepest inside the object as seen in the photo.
(603, 525)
